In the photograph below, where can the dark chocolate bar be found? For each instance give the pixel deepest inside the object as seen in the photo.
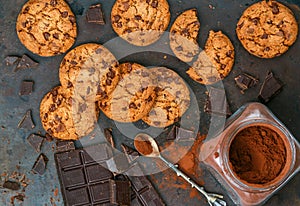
(245, 81)
(39, 166)
(270, 87)
(216, 102)
(26, 122)
(26, 88)
(120, 192)
(26, 62)
(83, 175)
(64, 146)
(180, 134)
(95, 14)
(36, 141)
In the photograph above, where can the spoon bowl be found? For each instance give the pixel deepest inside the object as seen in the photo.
(146, 145)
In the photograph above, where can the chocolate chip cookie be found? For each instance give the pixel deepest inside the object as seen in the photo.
(267, 29)
(133, 96)
(173, 98)
(90, 69)
(183, 35)
(67, 116)
(215, 62)
(140, 22)
(46, 27)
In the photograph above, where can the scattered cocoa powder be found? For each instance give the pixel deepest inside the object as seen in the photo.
(143, 146)
(257, 154)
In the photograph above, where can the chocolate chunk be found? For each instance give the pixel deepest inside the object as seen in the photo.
(12, 185)
(64, 14)
(216, 102)
(26, 63)
(119, 192)
(95, 14)
(36, 141)
(48, 137)
(245, 81)
(26, 88)
(64, 146)
(270, 87)
(130, 153)
(11, 60)
(39, 166)
(275, 9)
(83, 178)
(109, 137)
(264, 36)
(180, 134)
(26, 122)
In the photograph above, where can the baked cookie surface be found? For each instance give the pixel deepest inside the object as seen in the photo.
(173, 98)
(67, 116)
(90, 69)
(215, 62)
(140, 22)
(183, 35)
(46, 27)
(267, 29)
(133, 96)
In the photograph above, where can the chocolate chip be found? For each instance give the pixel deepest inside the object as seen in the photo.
(132, 106)
(255, 20)
(154, 4)
(72, 19)
(179, 48)
(82, 107)
(98, 51)
(229, 53)
(64, 14)
(126, 5)
(149, 99)
(46, 36)
(56, 35)
(108, 82)
(69, 84)
(111, 74)
(137, 17)
(54, 92)
(67, 36)
(53, 2)
(52, 108)
(241, 25)
(24, 24)
(26, 10)
(45, 116)
(217, 59)
(267, 49)
(223, 66)
(60, 128)
(264, 36)
(88, 90)
(49, 131)
(185, 31)
(250, 30)
(119, 24)
(148, 1)
(275, 9)
(280, 33)
(117, 18)
(58, 102)
(145, 74)
(127, 30)
(73, 62)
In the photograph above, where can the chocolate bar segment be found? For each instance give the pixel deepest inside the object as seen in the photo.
(216, 102)
(26, 88)
(270, 87)
(26, 122)
(84, 176)
(120, 192)
(245, 81)
(95, 14)
(64, 146)
(180, 134)
(36, 141)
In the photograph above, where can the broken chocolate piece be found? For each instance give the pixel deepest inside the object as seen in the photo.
(270, 87)
(26, 88)
(26, 63)
(64, 146)
(180, 134)
(95, 15)
(130, 153)
(39, 166)
(83, 179)
(11, 60)
(26, 122)
(245, 81)
(109, 137)
(119, 192)
(12, 185)
(36, 141)
(216, 102)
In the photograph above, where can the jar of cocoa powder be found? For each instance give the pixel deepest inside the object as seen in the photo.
(254, 156)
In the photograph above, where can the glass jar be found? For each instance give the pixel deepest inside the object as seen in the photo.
(215, 155)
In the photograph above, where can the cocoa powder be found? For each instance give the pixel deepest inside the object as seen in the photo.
(257, 154)
(144, 147)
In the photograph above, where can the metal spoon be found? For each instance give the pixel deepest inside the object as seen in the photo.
(150, 149)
